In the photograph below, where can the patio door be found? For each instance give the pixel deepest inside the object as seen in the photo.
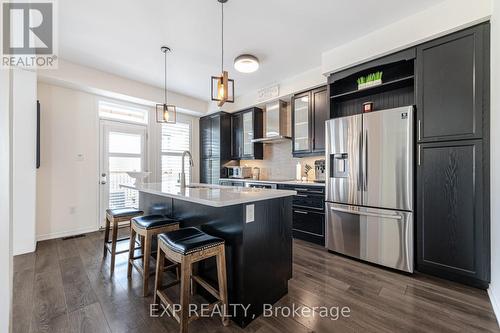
(123, 149)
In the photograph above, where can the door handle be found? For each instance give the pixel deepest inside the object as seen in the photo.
(300, 212)
(385, 216)
(419, 130)
(301, 195)
(365, 160)
(419, 152)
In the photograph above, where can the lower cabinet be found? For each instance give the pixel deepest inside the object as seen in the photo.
(452, 230)
(308, 212)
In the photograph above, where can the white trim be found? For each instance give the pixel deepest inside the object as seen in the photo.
(24, 250)
(495, 304)
(66, 233)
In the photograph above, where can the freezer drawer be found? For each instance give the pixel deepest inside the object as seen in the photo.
(380, 236)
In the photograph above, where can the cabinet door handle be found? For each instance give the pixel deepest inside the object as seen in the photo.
(300, 212)
(419, 130)
(301, 195)
(419, 153)
(301, 189)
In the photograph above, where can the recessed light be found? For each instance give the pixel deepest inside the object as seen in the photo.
(246, 63)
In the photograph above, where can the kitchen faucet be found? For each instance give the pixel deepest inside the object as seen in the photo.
(183, 174)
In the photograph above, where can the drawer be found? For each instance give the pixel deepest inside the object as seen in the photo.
(314, 190)
(316, 202)
(309, 222)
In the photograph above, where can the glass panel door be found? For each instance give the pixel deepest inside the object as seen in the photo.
(123, 149)
(301, 123)
(247, 133)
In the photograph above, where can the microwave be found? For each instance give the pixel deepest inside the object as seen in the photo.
(239, 172)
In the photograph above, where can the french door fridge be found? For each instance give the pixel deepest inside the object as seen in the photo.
(369, 187)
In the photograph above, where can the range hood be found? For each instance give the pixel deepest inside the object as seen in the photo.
(276, 123)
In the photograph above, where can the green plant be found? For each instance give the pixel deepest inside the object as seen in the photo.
(370, 77)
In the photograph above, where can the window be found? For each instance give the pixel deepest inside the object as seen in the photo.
(119, 112)
(175, 139)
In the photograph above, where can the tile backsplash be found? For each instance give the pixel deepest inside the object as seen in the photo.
(279, 164)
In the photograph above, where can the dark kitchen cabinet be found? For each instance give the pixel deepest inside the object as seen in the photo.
(245, 126)
(451, 74)
(309, 112)
(320, 115)
(308, 212)
(452, 232)
(453, 222)
(215, 138)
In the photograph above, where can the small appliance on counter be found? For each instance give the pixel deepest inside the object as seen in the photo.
(319, 171)
(239, 172)
(256, 173)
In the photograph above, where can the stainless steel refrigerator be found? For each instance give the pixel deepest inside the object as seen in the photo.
(369, 187)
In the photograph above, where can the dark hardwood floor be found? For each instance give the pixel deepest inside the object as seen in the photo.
(65, 287)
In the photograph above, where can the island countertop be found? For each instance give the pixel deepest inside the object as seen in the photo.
(211, 195)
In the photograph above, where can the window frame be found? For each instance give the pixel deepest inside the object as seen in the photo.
(188, 122)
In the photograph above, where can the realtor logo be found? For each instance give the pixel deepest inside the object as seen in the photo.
(28, 34)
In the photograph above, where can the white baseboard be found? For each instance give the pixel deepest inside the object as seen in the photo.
(66, 233)
(494, 302)
(19, 251)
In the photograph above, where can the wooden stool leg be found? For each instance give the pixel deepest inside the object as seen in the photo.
(160, 260)
(145, 267)
(131, 252)
(106, 238)
(185, 293)
(113, 245)
(221, 276)
(194, 272)
(141, 238)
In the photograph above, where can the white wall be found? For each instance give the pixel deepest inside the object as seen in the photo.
(24, 155)
(308, 79)
(494, 290)
(105, 84)
(441, 19)
(5, 202)
(67, 188)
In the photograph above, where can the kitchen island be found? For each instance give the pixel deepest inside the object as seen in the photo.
(256, 225)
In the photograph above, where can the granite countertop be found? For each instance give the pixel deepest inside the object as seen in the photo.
(211, 195)
(288, 182)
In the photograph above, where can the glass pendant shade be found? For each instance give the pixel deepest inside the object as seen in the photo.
(222, 89)
(165, 113)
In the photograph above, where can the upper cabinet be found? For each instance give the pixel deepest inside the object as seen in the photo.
(245, 126)
(214, 146)
(450, 85)
(309, 113)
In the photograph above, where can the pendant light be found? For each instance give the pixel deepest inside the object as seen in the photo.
(222, 88)
(165, 113)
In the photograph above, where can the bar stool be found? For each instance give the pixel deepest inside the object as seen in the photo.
(113, 217)
(185, 247)
(147, 226)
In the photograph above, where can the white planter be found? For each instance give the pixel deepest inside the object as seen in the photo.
(369, 84)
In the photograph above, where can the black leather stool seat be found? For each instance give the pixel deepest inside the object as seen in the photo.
(124, 212)
(189, 240)
(153, 221)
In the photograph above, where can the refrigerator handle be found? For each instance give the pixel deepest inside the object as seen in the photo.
(365, 160)
(349, 211)
(360, 155)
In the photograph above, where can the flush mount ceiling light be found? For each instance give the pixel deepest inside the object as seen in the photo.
(165, 113)
(222, 88)
(246, 63)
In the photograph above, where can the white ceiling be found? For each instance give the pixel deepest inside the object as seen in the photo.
(123, 37)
